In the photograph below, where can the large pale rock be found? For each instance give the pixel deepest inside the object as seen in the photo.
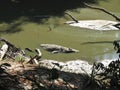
(77, 66)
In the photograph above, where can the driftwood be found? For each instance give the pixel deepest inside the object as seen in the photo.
(3, 51)
(9, 56)
(14, 48)
(10, 51)
(104, 10)
(72, 17)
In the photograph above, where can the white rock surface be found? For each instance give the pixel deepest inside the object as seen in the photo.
(75, 66)
(106, 62)
(94, 24)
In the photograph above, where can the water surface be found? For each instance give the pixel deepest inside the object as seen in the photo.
(93, 45)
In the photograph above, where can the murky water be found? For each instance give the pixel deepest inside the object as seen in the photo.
(93, 45)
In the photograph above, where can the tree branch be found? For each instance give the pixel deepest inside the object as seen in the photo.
(104, 10)
(72, 17)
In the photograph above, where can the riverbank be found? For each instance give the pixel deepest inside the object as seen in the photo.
(48, 75)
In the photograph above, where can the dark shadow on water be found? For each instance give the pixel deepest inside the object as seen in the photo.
(36, 10)
(100, 42)
(14, 28)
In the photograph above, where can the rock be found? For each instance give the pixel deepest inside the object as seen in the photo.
(51, 64)
(77, 66)
(106, 62)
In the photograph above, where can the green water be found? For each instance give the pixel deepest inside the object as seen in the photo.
(93, 45)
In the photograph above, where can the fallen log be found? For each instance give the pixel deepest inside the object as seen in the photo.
(104, 10)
